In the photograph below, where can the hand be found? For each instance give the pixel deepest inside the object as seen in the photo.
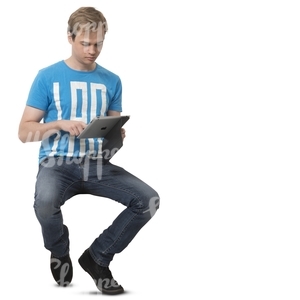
(123, 133)
(72, 126)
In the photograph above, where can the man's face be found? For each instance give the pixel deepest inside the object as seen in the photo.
(87, 46)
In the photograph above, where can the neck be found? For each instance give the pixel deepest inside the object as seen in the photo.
(76, 65)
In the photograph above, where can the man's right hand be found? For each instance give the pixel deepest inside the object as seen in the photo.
(74, 127)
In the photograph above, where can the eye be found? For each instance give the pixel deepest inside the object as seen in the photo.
(85, 44)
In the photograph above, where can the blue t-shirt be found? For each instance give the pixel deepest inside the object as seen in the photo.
(67, 94)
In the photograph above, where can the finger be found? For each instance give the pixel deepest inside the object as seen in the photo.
(74, 130)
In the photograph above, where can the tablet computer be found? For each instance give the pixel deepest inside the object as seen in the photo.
(101, 126)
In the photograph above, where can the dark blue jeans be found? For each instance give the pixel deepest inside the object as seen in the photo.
(60, 179)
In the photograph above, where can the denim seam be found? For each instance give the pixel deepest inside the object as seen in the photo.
(63, 195)
(129, 221)
(119, 189)
(120, 235)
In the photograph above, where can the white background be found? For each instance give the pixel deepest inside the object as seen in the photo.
(212, 88)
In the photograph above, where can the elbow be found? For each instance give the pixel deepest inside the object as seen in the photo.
(22, 138)
(21, 134)
(25, 136)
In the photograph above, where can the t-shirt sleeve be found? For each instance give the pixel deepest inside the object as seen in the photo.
(38, 93)
(116, 101)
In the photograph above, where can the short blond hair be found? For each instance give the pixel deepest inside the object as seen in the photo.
(86, 18)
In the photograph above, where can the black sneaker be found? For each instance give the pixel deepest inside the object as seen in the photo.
(62, 270)
(101, 275)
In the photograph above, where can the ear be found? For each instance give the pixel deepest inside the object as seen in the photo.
(70, 37)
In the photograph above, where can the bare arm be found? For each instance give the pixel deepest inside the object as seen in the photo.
(113, 113)
(31, 130)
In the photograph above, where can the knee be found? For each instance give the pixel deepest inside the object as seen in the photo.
(149, 205)
(45, 208)
(153, 206)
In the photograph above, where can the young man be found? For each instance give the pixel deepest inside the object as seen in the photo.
(66, 96)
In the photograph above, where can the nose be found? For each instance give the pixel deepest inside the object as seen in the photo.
(92, 49)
